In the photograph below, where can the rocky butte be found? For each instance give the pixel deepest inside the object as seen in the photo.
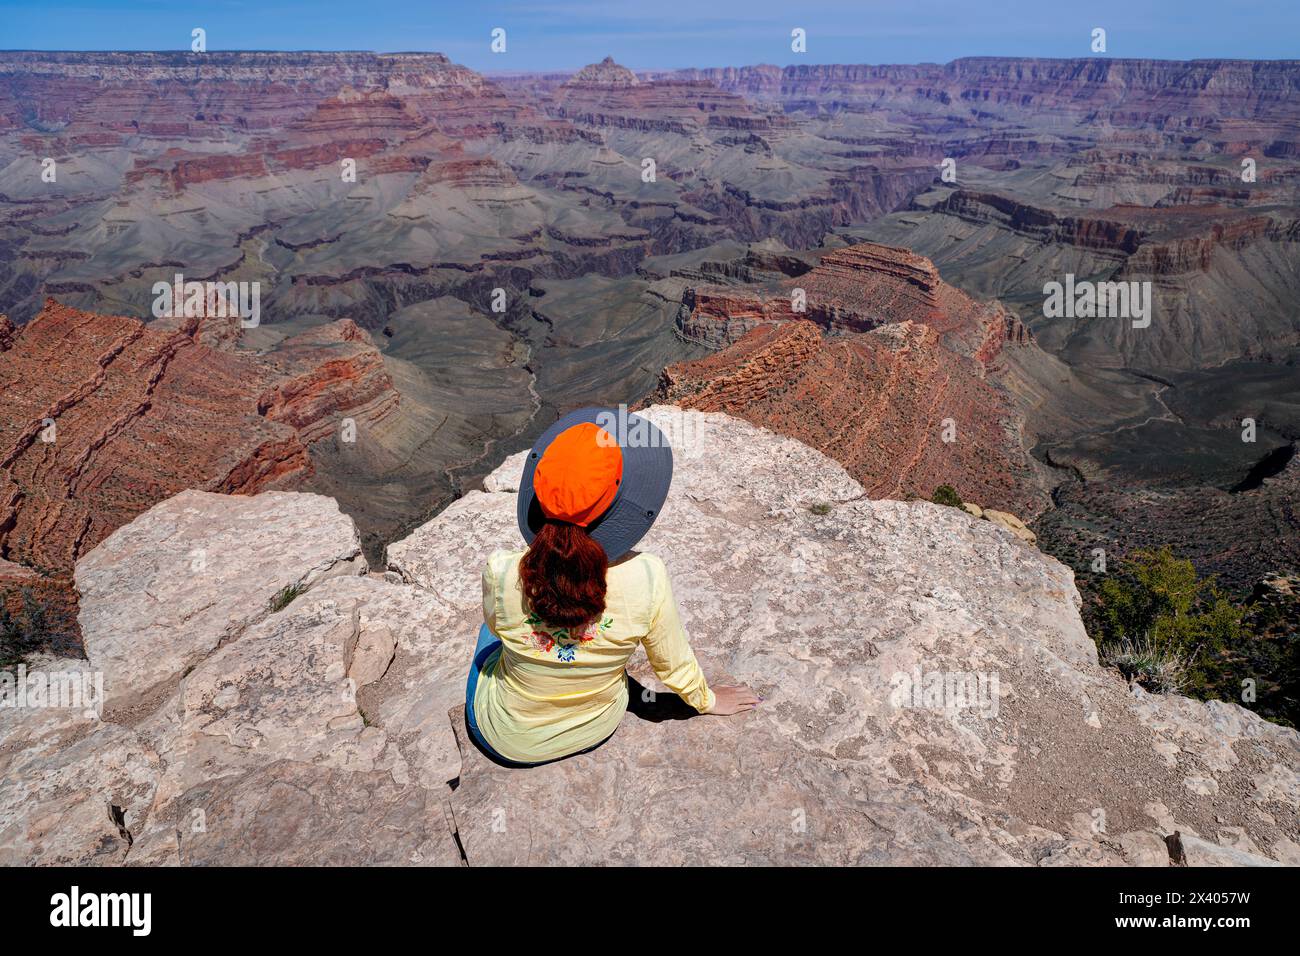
(879, 362)
(308, 711)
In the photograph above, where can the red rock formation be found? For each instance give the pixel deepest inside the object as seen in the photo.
(854, 289)
(190, 172)
(351, 125)
(1088, 231)
(356, 114)
(108, 416)
(331, 372)
(759, 365)
(917, 355)
(469, 173)
(606, 94)
(53, 594)
(1230, 229)
(877, 403)
(603, 75)
(1164, 94)
(354, 124)
(186, 95)
(1162, 241)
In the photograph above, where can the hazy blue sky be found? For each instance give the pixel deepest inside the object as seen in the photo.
(565, 34)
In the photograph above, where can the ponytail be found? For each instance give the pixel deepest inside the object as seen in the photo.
(563, 575)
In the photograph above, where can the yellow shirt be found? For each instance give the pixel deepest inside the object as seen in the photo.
(548, 693)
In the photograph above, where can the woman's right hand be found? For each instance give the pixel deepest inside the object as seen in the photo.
(733, 700)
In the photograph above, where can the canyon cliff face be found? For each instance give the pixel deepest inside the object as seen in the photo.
(1113, 90)
(108, 416)
(884, 367)
(1142, 421)
(115, 416)
(326, 374)
(608, 96)
(1222, 277)
(336, 715)
(166, 95)
(1239, 534)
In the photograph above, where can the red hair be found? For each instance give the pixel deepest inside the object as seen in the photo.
(563, 575)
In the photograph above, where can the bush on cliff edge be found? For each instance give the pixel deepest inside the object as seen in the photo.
(946, 495)
(1168, 628)
(25, 631)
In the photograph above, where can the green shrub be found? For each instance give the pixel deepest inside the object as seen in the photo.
(820, 508)
(12, 641)
(32, 628)
(1157, 609)
(946, 495)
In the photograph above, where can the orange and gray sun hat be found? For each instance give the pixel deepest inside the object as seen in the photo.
(603, 469)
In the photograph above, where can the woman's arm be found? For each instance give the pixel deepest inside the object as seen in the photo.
(674, 663)
(490, 595)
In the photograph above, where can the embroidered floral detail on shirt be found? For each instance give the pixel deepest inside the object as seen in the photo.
(564, 640)
(541, 640)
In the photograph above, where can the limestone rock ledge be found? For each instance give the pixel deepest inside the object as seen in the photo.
(320, 732)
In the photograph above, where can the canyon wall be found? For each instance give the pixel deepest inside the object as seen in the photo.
(883, 366)
(107, 416)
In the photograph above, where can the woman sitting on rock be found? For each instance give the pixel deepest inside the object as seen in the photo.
(562, 618)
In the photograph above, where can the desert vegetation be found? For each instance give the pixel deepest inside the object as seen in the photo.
(29, 624)
(1171, 630)
(946, 495)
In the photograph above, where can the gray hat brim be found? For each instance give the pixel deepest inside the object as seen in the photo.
(647, 474)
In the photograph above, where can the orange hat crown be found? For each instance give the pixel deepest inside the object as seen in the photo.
(578, 475)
